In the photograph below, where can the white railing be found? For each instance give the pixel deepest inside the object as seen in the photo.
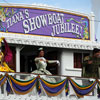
(25, 97)
(35, 96)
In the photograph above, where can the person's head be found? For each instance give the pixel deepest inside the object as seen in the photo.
(40, 52)
(96, 52)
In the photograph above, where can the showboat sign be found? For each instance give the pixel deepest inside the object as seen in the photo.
(43, 22)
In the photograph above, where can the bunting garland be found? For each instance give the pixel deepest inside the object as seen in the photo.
(8, 87)
(51, 89)
(22, 87)
(66, 88)
(38, 85)
(82, 90)
(22, 82)
(98, 89)
(2, 80)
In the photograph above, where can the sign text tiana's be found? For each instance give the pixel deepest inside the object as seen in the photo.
(43, 22)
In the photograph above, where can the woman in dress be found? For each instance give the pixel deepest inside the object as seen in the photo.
(41, 64)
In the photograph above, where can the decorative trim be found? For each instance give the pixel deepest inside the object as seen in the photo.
(50, 41)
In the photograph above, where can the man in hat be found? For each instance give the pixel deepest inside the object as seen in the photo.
(91, 65)
(96, 63)
(87, 64)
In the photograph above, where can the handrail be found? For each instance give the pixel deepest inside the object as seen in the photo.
(16, 73)
(62, 86)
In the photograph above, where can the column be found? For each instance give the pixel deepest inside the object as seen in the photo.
(66, 60)
(17, 59)
(92, 28)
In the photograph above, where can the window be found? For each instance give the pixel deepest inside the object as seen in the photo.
(77, 60)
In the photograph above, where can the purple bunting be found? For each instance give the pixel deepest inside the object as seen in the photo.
(83, 92)
(52, 90)
(23, 88)
(2, 80)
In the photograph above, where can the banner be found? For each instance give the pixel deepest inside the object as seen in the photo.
(44, 22)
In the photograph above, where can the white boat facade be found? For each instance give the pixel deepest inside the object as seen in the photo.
(65, 35)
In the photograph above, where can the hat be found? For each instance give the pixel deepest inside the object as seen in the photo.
(40, 49)
(86, 58)
(96, 50)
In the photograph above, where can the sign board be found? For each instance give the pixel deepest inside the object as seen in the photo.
(43, 22)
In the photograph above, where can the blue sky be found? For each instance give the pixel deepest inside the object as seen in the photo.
(83, 6)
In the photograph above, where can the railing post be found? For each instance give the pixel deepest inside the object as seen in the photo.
(5, 92)
(17, 59)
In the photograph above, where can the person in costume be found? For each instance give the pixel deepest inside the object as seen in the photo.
(86, 68)
(96, 63)
(91, 65)
(5, 57)
(41, 64)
